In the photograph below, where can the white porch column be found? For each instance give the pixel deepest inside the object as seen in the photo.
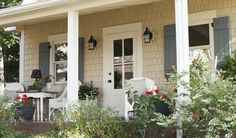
(72, 61)
(182, 46)
(22, 55)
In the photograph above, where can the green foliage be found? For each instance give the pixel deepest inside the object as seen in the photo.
(10, 47)
(211, 112)
(229, 67)
(5, 112)
(10, 51)
(213, 103)
(88, 89)
(89, 121)
(9, 3)
(6, 115)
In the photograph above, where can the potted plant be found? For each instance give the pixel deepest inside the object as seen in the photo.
(49, 80)
(88, 90)
(156, 100)
(37, 85)
(153, 108)
(24, 107)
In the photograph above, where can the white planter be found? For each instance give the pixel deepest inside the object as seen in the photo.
(88, 102)
(49, 85)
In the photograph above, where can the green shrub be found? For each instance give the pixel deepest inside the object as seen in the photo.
(213, 104)
(89, 121)
(229, 67)
(6, 114)
(211, 111)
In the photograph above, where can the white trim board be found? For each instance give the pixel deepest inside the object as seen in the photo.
(201, 16)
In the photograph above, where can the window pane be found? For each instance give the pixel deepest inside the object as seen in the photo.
(128, 50)
(117, 49)
(61, 52)
(128, 71)
(199, 35)
(118, 77)
(61, 71)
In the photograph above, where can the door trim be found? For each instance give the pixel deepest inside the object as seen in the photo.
(134, 27)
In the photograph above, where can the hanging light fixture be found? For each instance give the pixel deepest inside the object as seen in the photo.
(92, 43)
(147, 35)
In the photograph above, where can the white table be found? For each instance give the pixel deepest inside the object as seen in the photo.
(39, 96)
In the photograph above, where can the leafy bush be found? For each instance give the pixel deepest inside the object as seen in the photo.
(229, 67)
(89, 121)
(6, 113)
(213, 106)
(211, 111)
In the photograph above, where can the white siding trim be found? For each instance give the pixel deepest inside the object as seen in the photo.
(22, 57)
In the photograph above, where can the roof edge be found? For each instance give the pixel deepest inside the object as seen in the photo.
(29, 7)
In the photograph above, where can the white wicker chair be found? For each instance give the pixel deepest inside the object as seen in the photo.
(58, 103)
(11, 90)
(141, 85)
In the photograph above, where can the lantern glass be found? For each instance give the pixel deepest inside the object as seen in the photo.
(147, 38)
(91, 46)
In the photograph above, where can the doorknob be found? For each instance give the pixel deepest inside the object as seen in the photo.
(109, 81)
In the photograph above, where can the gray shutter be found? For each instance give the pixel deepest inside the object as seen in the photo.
(221, 38)
(81, 59)
(169, 48)
(44, 56)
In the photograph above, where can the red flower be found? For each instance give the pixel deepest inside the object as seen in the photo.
(17, 98)
(165, 97)
(175, 90)
(156, 91)
(27, 100)
(148, 93)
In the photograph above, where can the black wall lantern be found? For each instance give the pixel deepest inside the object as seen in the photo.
(92, 43)
(147, 36)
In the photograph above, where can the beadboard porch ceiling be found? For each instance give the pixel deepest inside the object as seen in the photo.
(56, 9)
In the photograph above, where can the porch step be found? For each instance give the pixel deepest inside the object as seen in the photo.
(33, 127)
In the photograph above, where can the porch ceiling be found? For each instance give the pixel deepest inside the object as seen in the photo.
(56, 9)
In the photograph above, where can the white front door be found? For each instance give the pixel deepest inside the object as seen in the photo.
(120, 63)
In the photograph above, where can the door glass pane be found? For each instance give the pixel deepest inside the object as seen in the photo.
(61, 52)
(199, 35)
(128, 71)
(117, 48)
(61, 71)
(128, 50)
(118, 77)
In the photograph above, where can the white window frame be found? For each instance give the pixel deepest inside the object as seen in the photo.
(200, 18)
(55, 39)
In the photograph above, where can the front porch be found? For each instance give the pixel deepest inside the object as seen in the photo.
(51, 28)
(44, 33)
